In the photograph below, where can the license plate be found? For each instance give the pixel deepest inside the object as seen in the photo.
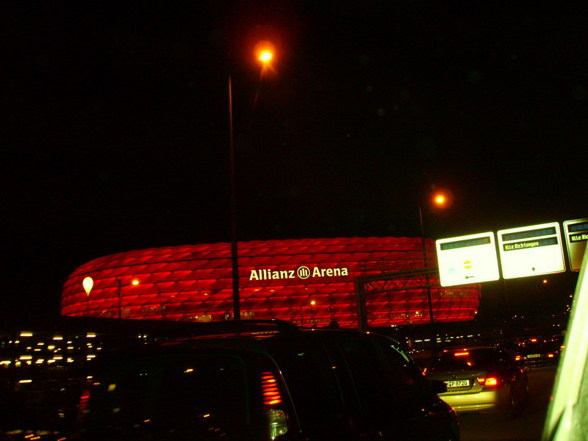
(458, 383)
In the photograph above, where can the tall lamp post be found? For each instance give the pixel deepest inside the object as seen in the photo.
(265, 54)
(440, 200)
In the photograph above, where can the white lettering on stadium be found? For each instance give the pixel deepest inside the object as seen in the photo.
(270, 274)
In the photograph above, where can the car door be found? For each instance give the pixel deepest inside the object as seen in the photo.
(424, 414)
(391, 398)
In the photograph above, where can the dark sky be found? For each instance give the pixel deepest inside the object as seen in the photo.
(115, 128)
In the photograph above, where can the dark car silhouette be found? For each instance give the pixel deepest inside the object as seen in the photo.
(265, 381)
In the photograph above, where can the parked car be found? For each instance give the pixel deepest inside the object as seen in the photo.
(480, 379)
(265, 381)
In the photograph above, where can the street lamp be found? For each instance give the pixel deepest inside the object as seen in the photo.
(265, 54)
(440, 199)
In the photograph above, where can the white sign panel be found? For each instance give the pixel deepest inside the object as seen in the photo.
(531, 251)
(467, 259)
(576, 236)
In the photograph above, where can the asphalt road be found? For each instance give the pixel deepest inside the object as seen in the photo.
(527, 427)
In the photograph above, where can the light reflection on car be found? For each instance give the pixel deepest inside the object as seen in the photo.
(480, 379)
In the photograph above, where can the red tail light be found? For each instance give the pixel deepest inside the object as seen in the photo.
(84, 399)
(461, 354)
(490, 380)
(270, 389)
(277, 418)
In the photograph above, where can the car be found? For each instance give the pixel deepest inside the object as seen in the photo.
(257, 380)
(566, 417)
(480, 379)
(539, 351)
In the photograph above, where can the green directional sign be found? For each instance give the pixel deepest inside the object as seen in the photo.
(576, 235)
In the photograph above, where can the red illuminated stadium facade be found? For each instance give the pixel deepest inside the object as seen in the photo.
(309, 281)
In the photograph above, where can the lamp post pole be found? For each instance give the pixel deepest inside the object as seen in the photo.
(427, 281)
(233, 210)
(441, 199)
(265, 52)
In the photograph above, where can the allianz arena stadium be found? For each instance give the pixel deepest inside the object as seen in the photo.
(310, 282)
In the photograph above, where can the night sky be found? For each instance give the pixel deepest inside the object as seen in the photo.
(115, 127)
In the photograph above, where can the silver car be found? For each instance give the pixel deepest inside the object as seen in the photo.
(480, 379)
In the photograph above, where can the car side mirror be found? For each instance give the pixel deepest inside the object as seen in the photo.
(437, 386)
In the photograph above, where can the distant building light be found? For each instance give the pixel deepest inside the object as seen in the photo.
(91, 335)
(25, 381)
(57, 337)
(26, 334)
(25, 357)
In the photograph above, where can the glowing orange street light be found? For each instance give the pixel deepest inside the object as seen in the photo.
(441, 199)
(265, 53)
(265, 57)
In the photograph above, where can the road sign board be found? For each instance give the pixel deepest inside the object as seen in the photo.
(576, 235)
(467, 259)
(531, 251)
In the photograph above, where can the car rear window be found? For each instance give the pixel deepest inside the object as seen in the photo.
(197, 393)
(464, 359)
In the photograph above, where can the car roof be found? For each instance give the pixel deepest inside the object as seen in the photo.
(262, 336)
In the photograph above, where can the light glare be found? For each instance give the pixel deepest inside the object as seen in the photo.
(265, 57)
(88, 283)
